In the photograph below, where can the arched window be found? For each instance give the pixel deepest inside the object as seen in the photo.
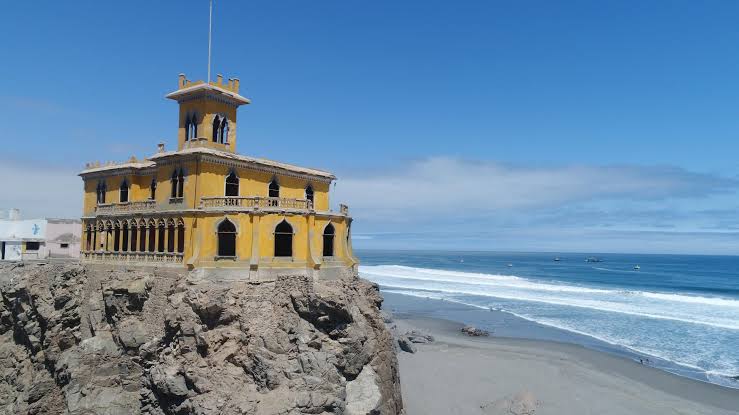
(224, 131)
(274, 188)
(309, 193)
(180, 238)
(191, 127)
(153, 189)
(284, 239)
(160, 241)
(174, 184)
(134, 237)
(124, 238)
(226, 239)
(88, 237)
(216, 129)
(170, 237)
(232, 184)
(142, 238)
(328, 240)
(124, 192)
(151, 230)
(116, 238)
(102, 189)
(178, 184)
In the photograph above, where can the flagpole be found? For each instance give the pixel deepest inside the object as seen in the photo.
(210, 30)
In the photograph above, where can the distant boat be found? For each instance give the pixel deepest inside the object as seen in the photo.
(637, 267)
(461, 260)
(593, 259)
(556, 259)
(510, 265)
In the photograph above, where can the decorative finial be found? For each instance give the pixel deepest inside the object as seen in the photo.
(160, 147)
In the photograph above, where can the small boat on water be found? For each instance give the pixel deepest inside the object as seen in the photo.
(556, 259)
(593, 259)
(510, 265)
(637, 267)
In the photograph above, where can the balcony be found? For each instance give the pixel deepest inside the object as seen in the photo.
(132, 257)
(137, 206)
(255, 202)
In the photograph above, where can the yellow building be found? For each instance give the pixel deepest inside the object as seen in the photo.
(206, 207)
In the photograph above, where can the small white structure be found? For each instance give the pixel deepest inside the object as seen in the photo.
(38, 238)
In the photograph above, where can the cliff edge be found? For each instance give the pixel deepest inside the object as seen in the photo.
(77, 339)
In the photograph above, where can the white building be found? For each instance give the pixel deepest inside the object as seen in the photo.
(38, 238)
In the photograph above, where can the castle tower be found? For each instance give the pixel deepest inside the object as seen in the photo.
(208, 113)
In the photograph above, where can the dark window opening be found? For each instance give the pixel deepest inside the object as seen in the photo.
(274, 188)
(309, 193)
(142, 239)
(33, 246)
(216, 129)
(328, 240)
(191, 127)
(64, 245)
(124, 238)
(102, 188)
(174, 184)
(226, 239)
(117, 240)
(153, 189)
(134, 235)
(181, 239)
(224, 131)
(160, 242)
(283, 240)
(152, 238)
(170, 239)
(178, 184)
(232, 185)
(124, 192)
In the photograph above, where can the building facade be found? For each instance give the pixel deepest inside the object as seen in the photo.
(203, 206)
(28, 239)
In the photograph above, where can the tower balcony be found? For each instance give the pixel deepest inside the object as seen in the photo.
(255, 202)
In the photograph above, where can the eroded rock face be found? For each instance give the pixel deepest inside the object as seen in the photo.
(81, 340)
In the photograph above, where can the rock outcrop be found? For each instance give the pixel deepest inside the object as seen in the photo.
(81, 340)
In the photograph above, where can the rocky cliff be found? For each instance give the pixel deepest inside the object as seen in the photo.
(81, 340)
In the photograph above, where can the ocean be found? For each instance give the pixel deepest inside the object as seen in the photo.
(679, 313)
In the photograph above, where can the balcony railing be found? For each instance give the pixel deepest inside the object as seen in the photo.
(137, 206)
(132, 257)
(255, 202)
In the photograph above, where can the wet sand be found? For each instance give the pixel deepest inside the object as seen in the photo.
(458, 374)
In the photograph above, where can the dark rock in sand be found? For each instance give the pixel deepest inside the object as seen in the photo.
(418, 337)
(406, 345)
(474, 332)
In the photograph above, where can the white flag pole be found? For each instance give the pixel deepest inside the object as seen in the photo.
(210, 31)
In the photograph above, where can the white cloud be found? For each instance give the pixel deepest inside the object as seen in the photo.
(443, 185)
(40, 191)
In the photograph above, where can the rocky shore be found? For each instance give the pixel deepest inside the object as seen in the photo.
(81, 340)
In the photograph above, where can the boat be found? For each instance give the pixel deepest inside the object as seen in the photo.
(637, 267)
(556, 259)
(593, 259)
(510, 265)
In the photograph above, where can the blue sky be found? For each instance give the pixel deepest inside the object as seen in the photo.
(537, 125)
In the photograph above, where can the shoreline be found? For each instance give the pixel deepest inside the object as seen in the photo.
(490, 373)
(509, 325)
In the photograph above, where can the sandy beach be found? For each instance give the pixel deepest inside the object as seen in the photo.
(458, 374)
